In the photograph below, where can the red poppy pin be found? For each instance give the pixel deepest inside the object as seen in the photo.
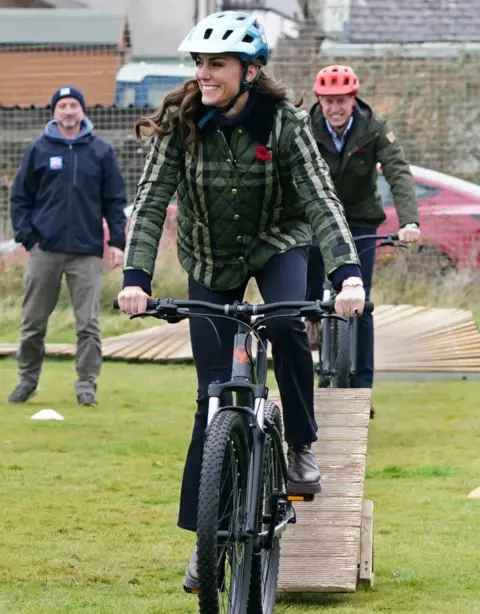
(262, 153)
(361, 150)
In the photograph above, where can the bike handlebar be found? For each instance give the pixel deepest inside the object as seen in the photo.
(170, 307)
(388, 237)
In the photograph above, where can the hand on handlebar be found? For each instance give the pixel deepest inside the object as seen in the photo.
(350, 301)
(410, 233)
(132, 299)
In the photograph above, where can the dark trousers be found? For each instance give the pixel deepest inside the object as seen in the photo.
(282, 279)
(316, 276)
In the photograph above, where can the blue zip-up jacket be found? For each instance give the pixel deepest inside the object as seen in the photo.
(63, 190)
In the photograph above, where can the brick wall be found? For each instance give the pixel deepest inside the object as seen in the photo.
(30, 76)
(431, 103)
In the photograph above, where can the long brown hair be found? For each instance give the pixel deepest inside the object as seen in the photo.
(180, 108)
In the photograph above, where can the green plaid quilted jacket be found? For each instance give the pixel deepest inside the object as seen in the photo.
(236, 211)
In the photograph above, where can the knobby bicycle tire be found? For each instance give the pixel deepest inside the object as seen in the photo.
(342, 378)
(327, 380)
(226, 455)
(265, 565)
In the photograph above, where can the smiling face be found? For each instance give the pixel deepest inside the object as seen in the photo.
(337, 109)
(219, 78)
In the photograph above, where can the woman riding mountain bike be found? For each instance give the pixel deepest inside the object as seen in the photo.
(251, 185)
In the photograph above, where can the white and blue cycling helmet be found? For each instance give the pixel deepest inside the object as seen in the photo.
(231, 33)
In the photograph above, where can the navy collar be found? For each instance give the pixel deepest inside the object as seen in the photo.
(257, 118)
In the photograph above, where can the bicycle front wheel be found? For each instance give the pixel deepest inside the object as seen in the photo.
(342, 355)
(266, 561)
(224, 554)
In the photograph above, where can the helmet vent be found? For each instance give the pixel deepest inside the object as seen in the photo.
(247, 38)
(208, 33)
(226, 35)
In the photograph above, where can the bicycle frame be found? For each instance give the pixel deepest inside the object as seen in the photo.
(248, 381)
(248, 377)
(327, 369)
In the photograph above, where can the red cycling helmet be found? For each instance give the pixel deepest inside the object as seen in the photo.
(336, 80)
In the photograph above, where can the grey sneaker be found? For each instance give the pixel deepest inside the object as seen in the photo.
(190, 583)
(86, 398)
(22, 393)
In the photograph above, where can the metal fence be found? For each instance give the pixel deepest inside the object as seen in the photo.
(427, 91)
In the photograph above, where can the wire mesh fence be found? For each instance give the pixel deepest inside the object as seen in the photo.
(419, 67)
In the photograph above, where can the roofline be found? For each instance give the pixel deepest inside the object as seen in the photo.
(136, 72)
(13, 46)
(76, 4)
(406, 50)
(21, 16)
(273, 10)
(31, 13)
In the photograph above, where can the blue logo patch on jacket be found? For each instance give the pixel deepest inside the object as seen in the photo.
(56, 163)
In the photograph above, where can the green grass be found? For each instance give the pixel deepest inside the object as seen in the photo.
(400, 283)
(88, 506)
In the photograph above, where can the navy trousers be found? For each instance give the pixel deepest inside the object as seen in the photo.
(284, 278)
(316, 276)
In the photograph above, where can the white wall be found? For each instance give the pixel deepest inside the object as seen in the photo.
(333, 17)
(275, 26)
(159, 26)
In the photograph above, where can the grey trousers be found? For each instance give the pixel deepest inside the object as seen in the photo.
(41, 290)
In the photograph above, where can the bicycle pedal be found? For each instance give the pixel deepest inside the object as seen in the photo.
(302, 498)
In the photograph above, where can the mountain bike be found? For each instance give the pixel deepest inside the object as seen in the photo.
(245, 501)
(337, 364)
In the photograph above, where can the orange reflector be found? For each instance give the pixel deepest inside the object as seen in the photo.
(295, 498)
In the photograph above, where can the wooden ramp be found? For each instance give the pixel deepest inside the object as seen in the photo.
(330, 549)
(407, 339)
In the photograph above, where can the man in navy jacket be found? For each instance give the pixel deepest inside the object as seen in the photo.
(68, 181)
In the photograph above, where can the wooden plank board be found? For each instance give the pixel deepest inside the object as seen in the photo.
(320, 552)
(366, 572)
(407, 338)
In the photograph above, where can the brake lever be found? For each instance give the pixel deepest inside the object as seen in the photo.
(144, 314)
(323, 314)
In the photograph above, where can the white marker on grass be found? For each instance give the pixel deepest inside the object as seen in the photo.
(47, 414)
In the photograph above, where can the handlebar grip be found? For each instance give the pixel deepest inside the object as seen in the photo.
(152, 303)
(369, 307)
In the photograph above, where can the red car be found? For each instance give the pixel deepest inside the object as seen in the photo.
(449, 215)
(449, 212)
